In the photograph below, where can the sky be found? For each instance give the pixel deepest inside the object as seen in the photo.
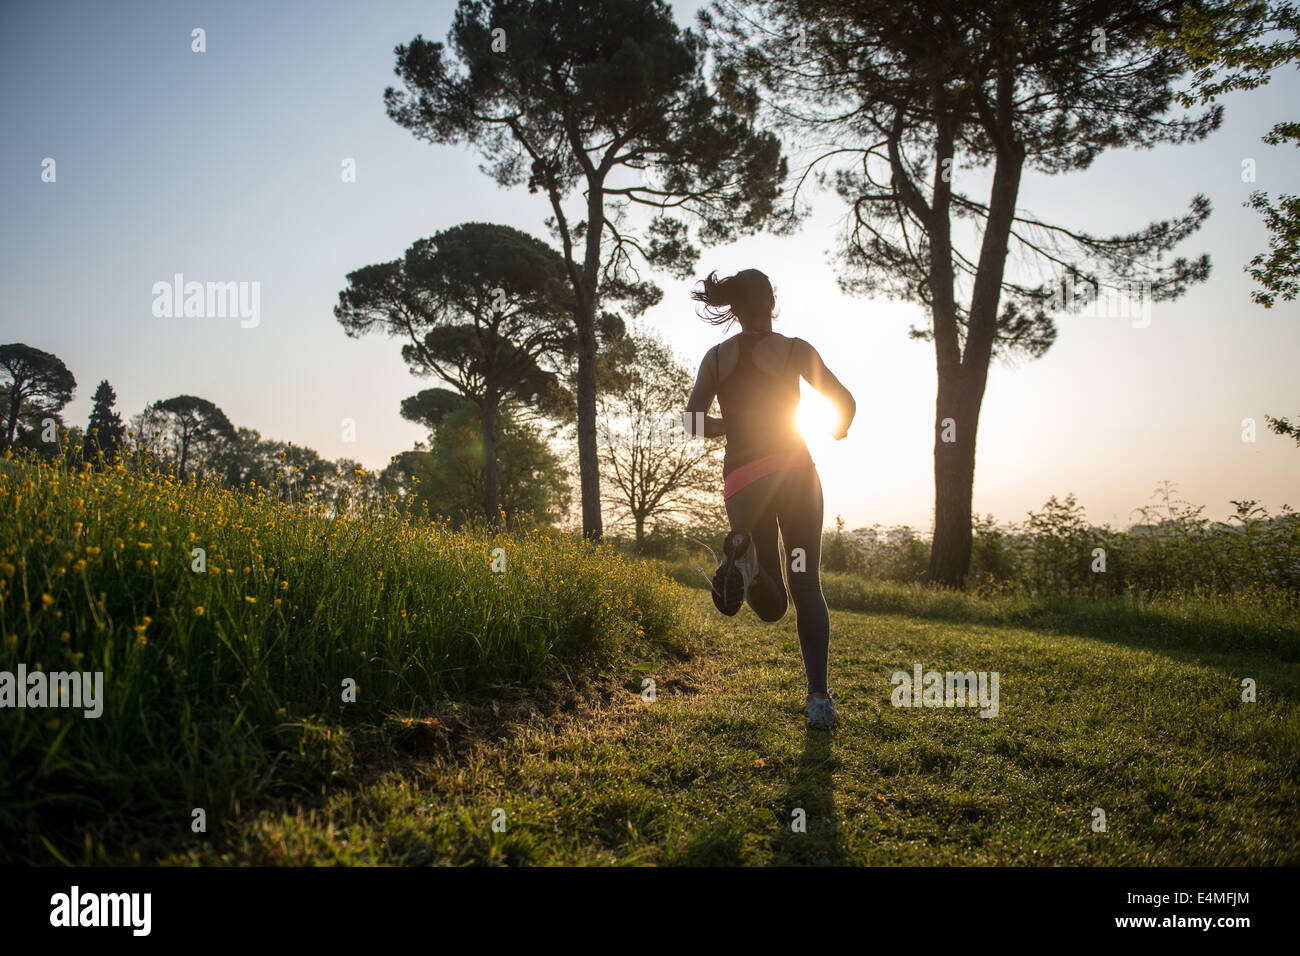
(226, 166)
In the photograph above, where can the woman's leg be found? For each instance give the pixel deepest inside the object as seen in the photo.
(753, 509)
(799, 510)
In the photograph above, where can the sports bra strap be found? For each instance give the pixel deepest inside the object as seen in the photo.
(747, 344)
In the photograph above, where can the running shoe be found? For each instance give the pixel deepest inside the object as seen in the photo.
(738, 568)
(821, 712)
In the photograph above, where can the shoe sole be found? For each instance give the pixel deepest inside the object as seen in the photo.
(728, 589)
(729, 582)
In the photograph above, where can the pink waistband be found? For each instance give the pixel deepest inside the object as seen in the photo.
(751, 471)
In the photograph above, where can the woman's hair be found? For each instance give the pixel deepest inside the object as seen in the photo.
(745, 297)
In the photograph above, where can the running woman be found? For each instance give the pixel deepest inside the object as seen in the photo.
(769, 479)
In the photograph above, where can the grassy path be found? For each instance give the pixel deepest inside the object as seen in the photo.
(714, 770)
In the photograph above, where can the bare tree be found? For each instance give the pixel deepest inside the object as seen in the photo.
(655, 470)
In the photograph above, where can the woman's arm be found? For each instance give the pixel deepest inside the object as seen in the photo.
(697, 419)
(811, 367)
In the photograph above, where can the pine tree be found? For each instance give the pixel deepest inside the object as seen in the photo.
(602, 106)
(931, 112)
(105, 432)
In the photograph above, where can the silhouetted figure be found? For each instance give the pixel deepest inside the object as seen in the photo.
(769, 478)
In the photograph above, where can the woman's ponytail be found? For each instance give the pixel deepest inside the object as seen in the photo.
(743, 298)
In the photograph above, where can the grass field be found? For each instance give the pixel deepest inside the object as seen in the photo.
(503, 717)
(715, 769)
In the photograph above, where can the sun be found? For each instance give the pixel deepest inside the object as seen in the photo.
(816, 418)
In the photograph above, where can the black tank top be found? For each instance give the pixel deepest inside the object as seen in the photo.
(759, 409)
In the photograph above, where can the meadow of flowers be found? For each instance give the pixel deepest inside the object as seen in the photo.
(229, 628)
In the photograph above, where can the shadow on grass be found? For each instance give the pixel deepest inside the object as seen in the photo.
(812, 791)
(1228, 643)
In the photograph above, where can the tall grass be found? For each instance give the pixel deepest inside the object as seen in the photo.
(226, 682)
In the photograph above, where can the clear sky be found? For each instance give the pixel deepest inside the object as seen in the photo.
(225, 166)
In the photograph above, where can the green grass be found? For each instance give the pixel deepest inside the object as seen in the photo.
(516, 698)
(227, 685)
(713, 771)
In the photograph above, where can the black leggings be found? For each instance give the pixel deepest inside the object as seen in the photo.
(792, 499)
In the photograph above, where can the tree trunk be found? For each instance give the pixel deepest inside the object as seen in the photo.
(491, 467)
(588, 451)
(11, 426)
(954, 485)
(962, 384)
(640, 531)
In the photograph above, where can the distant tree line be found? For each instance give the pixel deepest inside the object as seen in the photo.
(488, 456)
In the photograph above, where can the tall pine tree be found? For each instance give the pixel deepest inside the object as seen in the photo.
(105, 432)
(934, 111)
(602, 106)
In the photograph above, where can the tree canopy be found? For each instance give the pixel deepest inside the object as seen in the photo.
(1239, 45)
(180, 429)
(36, 384)
(448, 479)
(656, 471)
(476, 305)
(606, 98)
(926, 101)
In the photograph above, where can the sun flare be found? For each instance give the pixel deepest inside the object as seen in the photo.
(815, 417)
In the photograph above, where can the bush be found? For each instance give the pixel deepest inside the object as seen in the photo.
(1173, 549)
